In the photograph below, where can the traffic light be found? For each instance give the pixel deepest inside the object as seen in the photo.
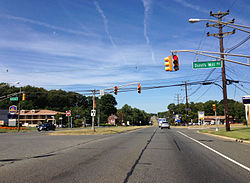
(175, 63)
(139, 88)
(24, 96)
(116, 90)
(214, 107)
(168, 63)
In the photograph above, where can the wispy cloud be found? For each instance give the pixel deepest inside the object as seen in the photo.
(105, 21)
(26, 20)
(192, 6)
(147, 9)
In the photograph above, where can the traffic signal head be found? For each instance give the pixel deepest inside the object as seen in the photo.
(24, 96)
(168, 63)
(175, 62)
(139, 88)
(116, 90)
(214, 107)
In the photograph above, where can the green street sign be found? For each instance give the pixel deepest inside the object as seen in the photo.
(206, 65)
(14, 99)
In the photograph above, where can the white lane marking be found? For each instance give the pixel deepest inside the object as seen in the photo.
(222, 155)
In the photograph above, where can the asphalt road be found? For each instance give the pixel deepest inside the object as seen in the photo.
(145, 155)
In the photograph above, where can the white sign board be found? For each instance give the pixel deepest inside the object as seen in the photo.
(93, 112)
(1, 122)
(12, 122)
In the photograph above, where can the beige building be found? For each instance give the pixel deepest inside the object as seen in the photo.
(36, 116)
(221, 119)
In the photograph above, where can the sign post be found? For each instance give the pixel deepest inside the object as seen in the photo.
(68, 114)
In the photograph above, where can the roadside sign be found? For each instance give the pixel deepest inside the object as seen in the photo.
(68, 113)
(188, 109)
(13, 109)
(93, 112)
(12, 122)
(201, 115)
(207, 65)
(246, 99)
(14, 99)
(1, 122)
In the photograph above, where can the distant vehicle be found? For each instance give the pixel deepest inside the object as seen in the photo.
(165, 125)
(161, 120)
(46, 127)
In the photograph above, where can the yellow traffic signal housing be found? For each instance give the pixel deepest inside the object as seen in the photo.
(139, 88)
(24, 96)
(168, 63)
(214, 107)
(175, 62)
(116, 90)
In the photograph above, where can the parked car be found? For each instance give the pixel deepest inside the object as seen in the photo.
(46, 127)
(165, 125)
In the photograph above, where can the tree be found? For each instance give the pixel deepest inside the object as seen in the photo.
(107, 106)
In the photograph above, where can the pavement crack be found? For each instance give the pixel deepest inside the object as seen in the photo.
(177, 145)
(138, 159)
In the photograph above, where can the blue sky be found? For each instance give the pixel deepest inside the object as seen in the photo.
(78, 45)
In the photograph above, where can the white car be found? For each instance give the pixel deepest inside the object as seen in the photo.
(165, 125)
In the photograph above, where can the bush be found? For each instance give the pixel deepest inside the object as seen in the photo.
(78, 122)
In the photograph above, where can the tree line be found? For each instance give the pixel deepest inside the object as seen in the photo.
(80, 105)
(235, 108)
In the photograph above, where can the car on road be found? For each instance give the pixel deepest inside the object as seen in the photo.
(165, 125)
(46, 127)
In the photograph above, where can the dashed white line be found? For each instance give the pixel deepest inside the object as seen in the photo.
(222, 155)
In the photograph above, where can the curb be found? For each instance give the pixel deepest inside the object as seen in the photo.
(223, 137)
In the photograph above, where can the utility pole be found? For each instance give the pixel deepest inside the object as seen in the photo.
(19, 109)
(221, 35)
(93, 117)
(186, 101)
(178, 103)
(98, 119)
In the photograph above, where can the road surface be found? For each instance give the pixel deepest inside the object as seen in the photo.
(145, 155)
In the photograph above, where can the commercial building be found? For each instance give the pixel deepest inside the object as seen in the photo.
(37, 116)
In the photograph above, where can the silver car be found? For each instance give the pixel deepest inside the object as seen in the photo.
(165, 125)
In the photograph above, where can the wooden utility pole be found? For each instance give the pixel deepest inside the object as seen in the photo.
(221, 35)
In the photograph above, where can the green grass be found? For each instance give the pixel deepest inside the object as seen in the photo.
(99, 131)
(237, 133)
(27, 129)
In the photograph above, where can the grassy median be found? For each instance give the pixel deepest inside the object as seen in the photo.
(15, 130)
(98, 131)
(237, 133)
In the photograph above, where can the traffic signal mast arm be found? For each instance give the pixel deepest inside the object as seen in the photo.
(202, 53)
